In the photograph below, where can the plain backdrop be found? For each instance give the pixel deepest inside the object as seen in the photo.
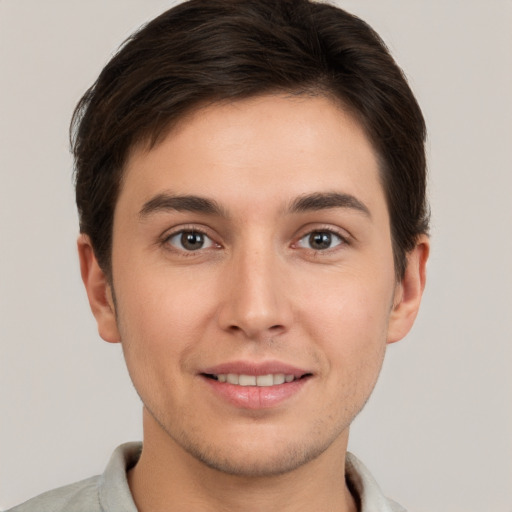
(437, 433)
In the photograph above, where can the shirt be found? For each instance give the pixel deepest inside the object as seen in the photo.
(110, 492)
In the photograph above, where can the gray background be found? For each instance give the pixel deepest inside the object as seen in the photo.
(437, 431)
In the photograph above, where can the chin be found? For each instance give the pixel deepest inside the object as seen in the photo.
(251, 463)
(259, 454)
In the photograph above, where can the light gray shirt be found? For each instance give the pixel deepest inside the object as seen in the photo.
(109, 492)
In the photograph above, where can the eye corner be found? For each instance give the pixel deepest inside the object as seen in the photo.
(188, 240)
(325, 240)
(321, 240)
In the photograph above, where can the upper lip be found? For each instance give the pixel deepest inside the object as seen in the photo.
(254, 368)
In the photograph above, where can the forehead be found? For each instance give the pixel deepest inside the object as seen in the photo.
(272, 148)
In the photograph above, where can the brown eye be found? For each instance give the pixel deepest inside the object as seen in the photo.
(190, 240)
(320, 240)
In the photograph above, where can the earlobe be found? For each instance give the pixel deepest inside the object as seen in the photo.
(98, 290)
(409, 291)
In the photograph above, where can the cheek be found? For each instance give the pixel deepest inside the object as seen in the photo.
(165, 302)
(158, 325)
(164, 315)
(351, 334)
(348, 319)
(349, 306)
(154, 344)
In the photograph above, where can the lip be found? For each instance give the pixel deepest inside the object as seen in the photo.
(255, 397)
(253, 368)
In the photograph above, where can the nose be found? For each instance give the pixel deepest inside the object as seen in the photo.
(255, 302)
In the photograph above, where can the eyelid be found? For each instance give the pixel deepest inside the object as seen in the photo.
(178, 230)
(340, 240)
(208, 242)
(343, 234)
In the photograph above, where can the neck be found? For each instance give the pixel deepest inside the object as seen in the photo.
(168, 479)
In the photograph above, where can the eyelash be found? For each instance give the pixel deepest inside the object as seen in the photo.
(166, 240)
(342, 240)
(188, 230)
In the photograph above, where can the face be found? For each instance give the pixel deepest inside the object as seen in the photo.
(253, 282)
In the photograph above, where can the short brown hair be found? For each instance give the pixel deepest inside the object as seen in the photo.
(212, 50)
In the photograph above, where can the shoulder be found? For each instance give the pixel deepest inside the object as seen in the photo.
(365, 488)
(108, 492)
(81, 496)
(395, 507)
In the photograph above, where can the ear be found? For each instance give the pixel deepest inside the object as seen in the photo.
(98, 291)
(409, 291)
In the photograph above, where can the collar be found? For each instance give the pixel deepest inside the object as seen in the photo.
(114, 492)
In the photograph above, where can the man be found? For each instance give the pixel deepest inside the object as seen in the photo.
(250, 179)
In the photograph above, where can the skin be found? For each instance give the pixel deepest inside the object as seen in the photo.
(258, 290)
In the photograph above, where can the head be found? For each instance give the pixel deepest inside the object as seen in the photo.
(251, 187)
(203, 52)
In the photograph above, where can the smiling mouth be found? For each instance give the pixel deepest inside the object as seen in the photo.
(271, 379)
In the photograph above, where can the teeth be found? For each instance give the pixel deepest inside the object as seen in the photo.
(246, 380)
(265, 380)
(253, 380)
(280, 378)
(232, 378)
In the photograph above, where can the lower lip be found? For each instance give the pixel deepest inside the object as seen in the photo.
(256, 397)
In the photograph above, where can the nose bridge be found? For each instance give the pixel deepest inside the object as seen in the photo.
(255, 303)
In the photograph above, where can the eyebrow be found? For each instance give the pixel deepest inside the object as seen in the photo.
(310, 202)
(187, 203)
(326, 200)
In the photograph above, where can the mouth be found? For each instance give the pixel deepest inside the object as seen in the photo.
(256, 385)
(262, 381)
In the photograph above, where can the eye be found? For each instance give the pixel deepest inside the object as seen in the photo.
(320, 240)
(190, 240)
